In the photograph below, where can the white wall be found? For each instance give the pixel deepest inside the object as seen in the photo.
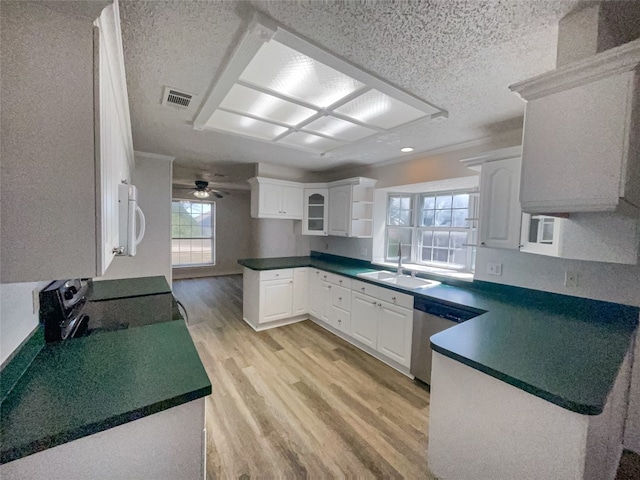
(233, 235)
(17, 319)
(278, 238)
(152, 177)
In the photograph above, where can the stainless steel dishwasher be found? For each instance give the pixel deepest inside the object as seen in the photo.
(430, 318)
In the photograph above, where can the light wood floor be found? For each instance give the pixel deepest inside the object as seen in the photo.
(297, 401)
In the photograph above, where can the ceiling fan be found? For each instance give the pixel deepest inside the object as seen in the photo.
(202, 190)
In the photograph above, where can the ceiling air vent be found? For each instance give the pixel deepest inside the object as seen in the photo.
(175, 98)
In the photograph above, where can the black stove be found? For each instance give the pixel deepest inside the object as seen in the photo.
(61, 309)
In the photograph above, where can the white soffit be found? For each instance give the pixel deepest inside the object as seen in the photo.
(282, 89)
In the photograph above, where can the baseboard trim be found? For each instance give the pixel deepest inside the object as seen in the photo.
(278, 323)
(387, 361)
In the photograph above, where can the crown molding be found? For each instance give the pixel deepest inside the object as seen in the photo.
(610, 62)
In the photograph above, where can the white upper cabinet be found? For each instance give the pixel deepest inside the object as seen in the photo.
(339, 218)
(581, 135)
(316, 211)
(62, 161)
(351, 207)
(276, 199)
(500, 214)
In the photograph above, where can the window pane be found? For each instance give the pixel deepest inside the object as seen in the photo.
(457, 239)
(461, 200)
(428, 218)
(443, 218)
(192, 230)
(458, 258)
(406, 203)
(428, 203)
(394, 237)
(444, 201)
(394, 202)
(441, 239)
(426, 254)
(547, 231)
(459, 218)
(440, 255)
(427, 238)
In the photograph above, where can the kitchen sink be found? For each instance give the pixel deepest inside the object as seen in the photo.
(379, 275)
(403, 281)
(407, 281)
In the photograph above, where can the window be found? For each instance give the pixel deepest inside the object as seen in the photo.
(192, 233)
(435, 229)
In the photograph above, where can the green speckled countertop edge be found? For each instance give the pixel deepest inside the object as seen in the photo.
(126, 288)
(123, 376)
(484, 344)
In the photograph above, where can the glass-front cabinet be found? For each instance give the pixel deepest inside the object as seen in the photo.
(541, 234)
(315, 216)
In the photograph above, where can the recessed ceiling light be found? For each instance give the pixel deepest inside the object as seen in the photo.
(406, 149)
(281, 89)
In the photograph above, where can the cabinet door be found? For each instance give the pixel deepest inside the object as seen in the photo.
(339, 210)
(325, 298)
(395, 325)
(300, 291)
(292, 202)
(500, 212)
(270, 200)
(276, 297)
(316, 211)
(573, 160)
(364, 319)
(315, 285)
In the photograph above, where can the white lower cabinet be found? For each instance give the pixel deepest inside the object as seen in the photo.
(382, 326)
(395, 326)
(276, 298)
(378, 319)
(272, 296)
(364, 324)
(300, 304)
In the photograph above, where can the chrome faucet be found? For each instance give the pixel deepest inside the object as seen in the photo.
(399, 271)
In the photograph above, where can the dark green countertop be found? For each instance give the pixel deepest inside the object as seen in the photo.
(126, 288)
(76, 388)
(566, 350)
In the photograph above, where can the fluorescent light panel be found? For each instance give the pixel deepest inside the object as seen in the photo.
(281, 89)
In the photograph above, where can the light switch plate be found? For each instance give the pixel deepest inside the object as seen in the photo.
(494, 268)
(570, 279)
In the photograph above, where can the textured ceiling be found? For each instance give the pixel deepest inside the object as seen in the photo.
(460, 55)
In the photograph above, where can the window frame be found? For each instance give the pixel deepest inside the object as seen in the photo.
(212, 238)
(417, 230)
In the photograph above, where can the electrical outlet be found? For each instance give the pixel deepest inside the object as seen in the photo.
(570, 279)
(494, 268)
(36, 301)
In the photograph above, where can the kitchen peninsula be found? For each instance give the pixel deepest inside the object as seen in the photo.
(564, 359)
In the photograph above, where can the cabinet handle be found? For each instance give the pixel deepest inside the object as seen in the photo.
(317, 273)
(339, 320)
(482, 243)
(339, 281)
(277, 274)
(324, 276)
(393, 298)
(362, 288)
(374, 302)
(340, 298)
(329, 287)
(379, 304)
(290, 281)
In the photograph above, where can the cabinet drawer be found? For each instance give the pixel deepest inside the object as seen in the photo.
(335, 279)
(276, 274)
(381, 293)
(341, 320)
(341, 297)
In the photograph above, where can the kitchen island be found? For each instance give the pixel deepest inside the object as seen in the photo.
(125, 403)
(564, 353)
